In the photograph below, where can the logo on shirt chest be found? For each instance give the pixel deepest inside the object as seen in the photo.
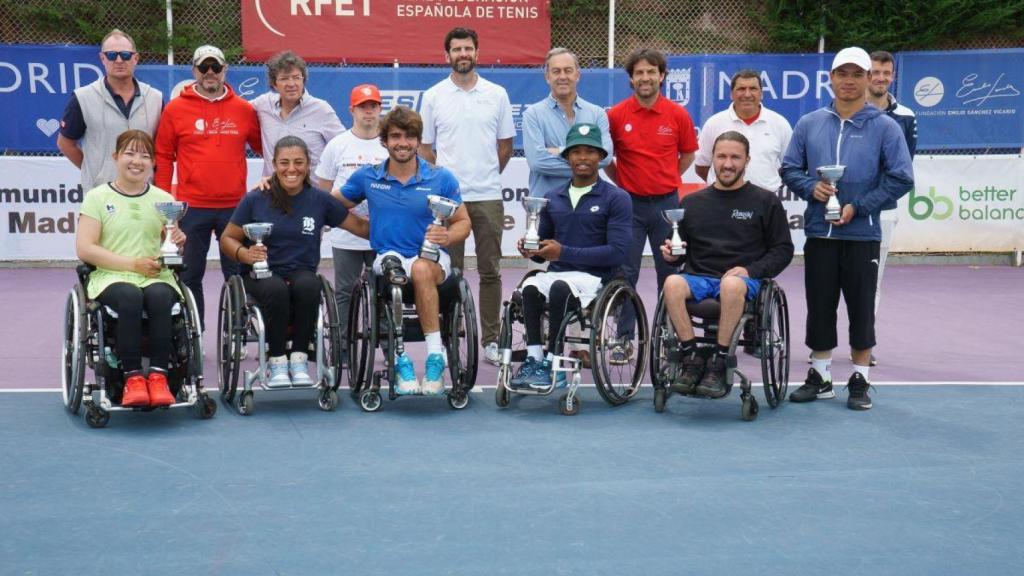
(308, 225)
(742, 215)
(218, 126)
(379, 186)
(111, 209)
(665, 130)
(595, 209)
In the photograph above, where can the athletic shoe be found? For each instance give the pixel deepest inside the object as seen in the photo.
(858, 387)
(136, 391)
(491, 353)
(299, 370)
(540, 378)
(159, 392)
(713, 383)
(691, 373)
(277, 372)
(812, 389)
(433, 375)
(526, 370)
(621, 353)
(406, 376)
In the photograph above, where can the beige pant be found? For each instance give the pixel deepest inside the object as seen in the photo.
(487, 218)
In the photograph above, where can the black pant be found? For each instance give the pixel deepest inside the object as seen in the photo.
(198, 224)
(293, 300)
(128, 301)
(650, 228)
(832, 267)
(560, 302)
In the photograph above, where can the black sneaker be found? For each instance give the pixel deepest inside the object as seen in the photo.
(858, 389)
(813, 389)
(713, 383)
(692, 369)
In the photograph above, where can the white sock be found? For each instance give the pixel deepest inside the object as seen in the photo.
(278, 359)
(863, 370)
(434, 343)
(299, 357)
(823, 367)
(536, 352)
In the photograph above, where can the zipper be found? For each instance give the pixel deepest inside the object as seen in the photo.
(839, 143)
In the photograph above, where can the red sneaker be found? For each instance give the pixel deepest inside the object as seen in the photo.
(159, 392)
(135, 392)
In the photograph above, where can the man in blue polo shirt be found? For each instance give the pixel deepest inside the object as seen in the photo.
(396, 194)
(585, 231)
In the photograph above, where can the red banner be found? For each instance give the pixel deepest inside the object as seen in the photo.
(383, 31)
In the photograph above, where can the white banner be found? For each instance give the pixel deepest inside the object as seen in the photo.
(960, 204)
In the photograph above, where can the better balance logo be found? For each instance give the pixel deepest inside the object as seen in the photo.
(988, 203)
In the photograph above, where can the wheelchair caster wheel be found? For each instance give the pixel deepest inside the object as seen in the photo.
(567, 409)
(206, 407)
(246, 403)
(97, 417)
(328, 400)
(749, 409)
(458, 400)
(501, 395)
(370, 401)
(660, 396)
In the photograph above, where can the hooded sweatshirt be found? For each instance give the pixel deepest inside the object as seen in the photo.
(207, 139)
(878, 168)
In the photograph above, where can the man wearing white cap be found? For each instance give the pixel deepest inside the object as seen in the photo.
(841, 256)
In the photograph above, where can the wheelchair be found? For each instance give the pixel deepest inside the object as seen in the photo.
(382, 314)
(240, 322)
(90, 334)
(763, 327)
(597, 325)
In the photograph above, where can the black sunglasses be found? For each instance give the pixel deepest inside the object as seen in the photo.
(205, 67)
(125, 55)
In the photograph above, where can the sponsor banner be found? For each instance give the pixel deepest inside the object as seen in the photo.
(965, 99)
(386, 31)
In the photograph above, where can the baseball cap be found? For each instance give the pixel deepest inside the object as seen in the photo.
(852, 55)
(584, 135)
(364, 93)
(207, 51)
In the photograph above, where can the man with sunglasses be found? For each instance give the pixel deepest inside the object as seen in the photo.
(204, 130)
(98, 113)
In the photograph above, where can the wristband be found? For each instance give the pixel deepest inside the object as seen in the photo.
(236, 253)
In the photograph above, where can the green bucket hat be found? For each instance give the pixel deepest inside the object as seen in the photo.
(584, 135)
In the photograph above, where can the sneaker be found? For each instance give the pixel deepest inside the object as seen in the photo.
(277, 372)
(691, 373)
(491, 353)
(713, 384)
(583, 356)
(621, 353)
(858, 387)
(812, 389)
(540, 378)
(433, 375)
(136, 390)
(299, 370)
(407, 382)
(526, 369)
(159, 392)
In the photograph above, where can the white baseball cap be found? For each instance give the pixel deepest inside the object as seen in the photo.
(852, 55)
(207, 51)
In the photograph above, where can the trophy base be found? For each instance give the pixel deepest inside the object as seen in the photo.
(261, 274)
(429, 255)
(171, 260)
(833, 216)
(531, 244)
(678, 251)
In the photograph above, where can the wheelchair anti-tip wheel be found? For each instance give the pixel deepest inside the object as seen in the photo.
(370, 401)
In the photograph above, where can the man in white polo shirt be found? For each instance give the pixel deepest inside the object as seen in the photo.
(767, 131)
(469, 121)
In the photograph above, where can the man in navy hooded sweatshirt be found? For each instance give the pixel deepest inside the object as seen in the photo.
(842, 256)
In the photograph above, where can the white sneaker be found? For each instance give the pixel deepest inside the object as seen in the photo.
(299, 370)
(277, 372)
(406, 376)
(491, 353)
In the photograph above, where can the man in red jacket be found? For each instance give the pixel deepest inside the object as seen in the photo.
(205, 131)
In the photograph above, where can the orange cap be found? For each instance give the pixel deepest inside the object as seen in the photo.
(364, 93)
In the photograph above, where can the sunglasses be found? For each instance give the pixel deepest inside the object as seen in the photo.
(112, 55)
(205, 67)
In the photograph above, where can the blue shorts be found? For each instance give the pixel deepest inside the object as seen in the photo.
(703, 287)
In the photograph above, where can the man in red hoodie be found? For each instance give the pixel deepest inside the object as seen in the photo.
(205, 131)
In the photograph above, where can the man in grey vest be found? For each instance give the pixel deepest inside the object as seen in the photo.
(98, 113)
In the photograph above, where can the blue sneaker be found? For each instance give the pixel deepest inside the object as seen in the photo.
(407, 382)
(526, 369)
(433, 375)
(540, 378)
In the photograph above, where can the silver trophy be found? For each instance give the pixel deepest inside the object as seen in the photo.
(172, 211)
(832, 173)
(533, 206)
(442, 208)
(257, 232)
(674, 217)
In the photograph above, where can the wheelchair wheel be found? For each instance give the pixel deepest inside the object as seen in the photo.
(330, 338)
(206, 407)
(97, 417)
(370, 401)
(663, 338)
(362, 337)
(328, 400)
(566, 408)
(72, 376)
(773, 327)
(458, 399)
(617, 383)
(230, 335)
(463, 343)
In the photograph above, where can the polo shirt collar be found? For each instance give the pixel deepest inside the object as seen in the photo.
(275, 99)
(552, 103)
(736, 117)
(455, 87)
(110, 89)
(423, 171)
(656, 107)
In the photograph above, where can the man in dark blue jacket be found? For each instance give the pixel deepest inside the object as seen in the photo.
(842, 256)
(585, 231)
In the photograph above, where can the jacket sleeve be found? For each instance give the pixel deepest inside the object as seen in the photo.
(897, 171)
(618, 236)
(778, 240)
(537, 156)
(166, 149)
(794, 164)
(606, 138)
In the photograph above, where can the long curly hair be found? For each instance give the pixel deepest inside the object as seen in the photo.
(278, 196)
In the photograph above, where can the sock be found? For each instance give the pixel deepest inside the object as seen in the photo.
(535, 351)
(278, 359)
(434, 343)
(862, 370)
(823, 366)
(688, 346)
(722, 350)
(299, 357)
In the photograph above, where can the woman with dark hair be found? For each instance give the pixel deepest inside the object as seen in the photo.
(120, 232)
(291, 295)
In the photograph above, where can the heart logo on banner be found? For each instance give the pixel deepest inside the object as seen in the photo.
(48, 126)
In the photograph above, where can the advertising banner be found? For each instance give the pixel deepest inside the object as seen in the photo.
(387, 31)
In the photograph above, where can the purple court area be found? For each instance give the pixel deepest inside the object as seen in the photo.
(936, 324)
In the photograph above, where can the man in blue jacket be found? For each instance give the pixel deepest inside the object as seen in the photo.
(842, 256)
(585, 231)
